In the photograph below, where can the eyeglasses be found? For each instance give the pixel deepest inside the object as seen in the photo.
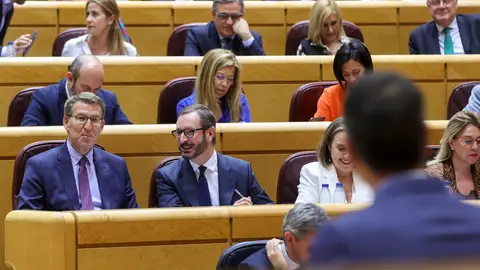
(438, 2)
(222, 78)
(82, 119)
(189, 133)
(469, 141)
(224, 16)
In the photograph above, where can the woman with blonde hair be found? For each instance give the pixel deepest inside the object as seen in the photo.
(325, 32)
(333, 166)
(105, 36)
(457, 160)
(218, 86)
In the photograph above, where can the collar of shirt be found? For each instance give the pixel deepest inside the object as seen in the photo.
(75, 156)
(211, 164)
(69, 95)
(452, 26)
(221, 37)
(291, 264)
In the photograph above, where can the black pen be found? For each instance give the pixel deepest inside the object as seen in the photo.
(239, 194)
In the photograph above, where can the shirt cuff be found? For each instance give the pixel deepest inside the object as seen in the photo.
(4, 51)
(248, 42)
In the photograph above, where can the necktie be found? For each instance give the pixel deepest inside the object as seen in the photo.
(448, 43)
(84, 185)
(227, 43)
(202, 188)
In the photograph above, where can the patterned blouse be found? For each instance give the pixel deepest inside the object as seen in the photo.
(445, 171)
(325, 49)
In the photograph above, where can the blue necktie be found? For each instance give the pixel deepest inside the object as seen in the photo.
(227, 43)
(448, 42)
(202, 189)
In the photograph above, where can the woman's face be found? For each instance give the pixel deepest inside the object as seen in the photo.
(97, 20)
(331, 29)
(223, 80)
(466, 145)
(352, 70)
(340, 155)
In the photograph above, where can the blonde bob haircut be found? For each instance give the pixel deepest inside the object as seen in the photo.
(211, 63)
(115, 35)
(453, 129)
(324, 148)
(318, 15)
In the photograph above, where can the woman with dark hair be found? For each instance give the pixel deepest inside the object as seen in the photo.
(352, 61)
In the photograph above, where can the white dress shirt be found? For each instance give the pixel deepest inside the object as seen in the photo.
(92, 175)
(313, 175)
(79, 46)
(291, 264)
(211, 173)
(455, 34)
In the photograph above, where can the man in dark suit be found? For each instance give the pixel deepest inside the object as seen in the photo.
(299, 228)
(227, 30)
(77, 175)
(448, 33)
(203, 177)
(6, 13)
(84, 75)
(413, 218)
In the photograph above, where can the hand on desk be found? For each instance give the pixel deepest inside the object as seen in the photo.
(243, 201)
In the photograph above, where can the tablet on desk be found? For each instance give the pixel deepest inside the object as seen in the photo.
(34, 36)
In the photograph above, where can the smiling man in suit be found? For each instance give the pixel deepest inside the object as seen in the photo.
(203, 177)
(77, 175)
(448, 33)
(228, 30)
(84, 75)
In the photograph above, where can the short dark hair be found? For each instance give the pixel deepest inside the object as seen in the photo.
(215, 2)
(84, 97)
(207, 118)
(353, 50)
(384, 121)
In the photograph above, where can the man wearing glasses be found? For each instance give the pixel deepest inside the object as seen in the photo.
(84, 75)
(448, 33)
(228, 30)
(203, 177)
(77, 175)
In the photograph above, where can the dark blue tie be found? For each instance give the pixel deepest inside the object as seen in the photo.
(203, 193)
(227, 43)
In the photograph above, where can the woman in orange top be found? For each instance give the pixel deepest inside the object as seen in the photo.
(352, 61)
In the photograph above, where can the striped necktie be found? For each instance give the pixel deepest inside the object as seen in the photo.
(448, 42)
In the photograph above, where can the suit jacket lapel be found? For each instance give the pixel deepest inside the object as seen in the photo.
(62, 96)
(103, 172)
(226, 181)
(213, 36)
(67, 177)
(463, 27)
(432, 40)
(187, 181)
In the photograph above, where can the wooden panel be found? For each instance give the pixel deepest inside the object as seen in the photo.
(435, 97)
(270, 103)
(72, 14)
(150, 41)
(417, 12)
(263, 69)
(31, 13)
(259, 13)
(178, 257)
(44, 42)
(462, 67)
(376, 35)
(404, 36)
(265, 172)
(6, 169)
(273, 38)
(185, 12)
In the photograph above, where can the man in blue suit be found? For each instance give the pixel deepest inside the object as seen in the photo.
(203, 177)
(448, 33)
(77, 175)
(228, 30)
(299, 228)
(84, 75)
(413, 218)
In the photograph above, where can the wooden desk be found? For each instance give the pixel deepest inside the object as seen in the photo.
(386, 25)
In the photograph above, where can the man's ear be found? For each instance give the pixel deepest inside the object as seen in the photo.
(211, 132)
(69, 76)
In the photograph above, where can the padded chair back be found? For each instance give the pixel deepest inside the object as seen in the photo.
(236, 254)
(459, 98)
(176, 41)
(303, 104)
(152, 196)
(289, 176)
(19, 105)
(431, 151)
(299, 32)
(65, 36)
(174, 91)
(21, 161)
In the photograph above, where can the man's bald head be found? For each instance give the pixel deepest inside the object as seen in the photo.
(85, 74)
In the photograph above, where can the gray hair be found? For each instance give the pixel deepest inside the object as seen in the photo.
(215, 2)
(207, 118)
(304, 218)
(85, 97)
(79, 62)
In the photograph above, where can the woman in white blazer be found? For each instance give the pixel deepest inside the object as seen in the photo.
(105, 36)
(333, 166)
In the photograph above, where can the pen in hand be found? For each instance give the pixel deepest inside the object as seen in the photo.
(239, 194)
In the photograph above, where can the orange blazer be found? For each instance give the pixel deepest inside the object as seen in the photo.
(331, 102)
